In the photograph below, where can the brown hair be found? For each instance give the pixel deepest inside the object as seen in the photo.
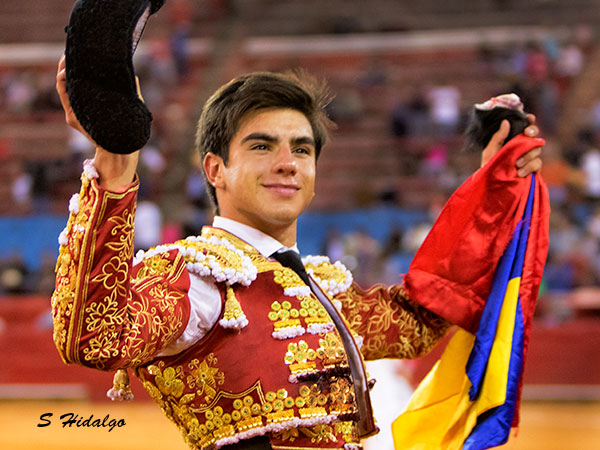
(224, 110)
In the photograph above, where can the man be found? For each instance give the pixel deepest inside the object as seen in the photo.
(230, 336)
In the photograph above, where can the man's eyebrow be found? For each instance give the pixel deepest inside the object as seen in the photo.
(259, 137)
(270, 138)
(304, 140)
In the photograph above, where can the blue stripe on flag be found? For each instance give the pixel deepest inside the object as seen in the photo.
(509, 266)
(493, 426)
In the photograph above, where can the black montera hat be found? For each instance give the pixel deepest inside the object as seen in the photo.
(486, 118)
(102, 36)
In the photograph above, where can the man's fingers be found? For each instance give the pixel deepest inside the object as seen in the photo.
(138, 88)
(61, 73)
(529, 156)
(530, 162)
(495, 143)
(500, 136)
(61, 63)
(61, 88)
(531, 167)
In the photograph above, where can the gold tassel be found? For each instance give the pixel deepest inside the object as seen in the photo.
(121, 391)
(233, 316)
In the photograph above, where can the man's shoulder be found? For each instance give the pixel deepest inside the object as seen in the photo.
(212, 254)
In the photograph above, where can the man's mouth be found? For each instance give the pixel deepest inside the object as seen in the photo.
(282, 188)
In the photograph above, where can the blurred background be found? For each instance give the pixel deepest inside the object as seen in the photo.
(405, 75)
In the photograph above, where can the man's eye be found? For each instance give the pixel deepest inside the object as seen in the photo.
(303, 150)
(259, 147)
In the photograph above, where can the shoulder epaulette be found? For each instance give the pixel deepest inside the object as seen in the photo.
(333, 278)
(212, 256)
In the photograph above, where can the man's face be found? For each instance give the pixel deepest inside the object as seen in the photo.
(270, 176)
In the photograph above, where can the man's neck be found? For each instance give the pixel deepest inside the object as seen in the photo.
(265, 243)
(286, 234)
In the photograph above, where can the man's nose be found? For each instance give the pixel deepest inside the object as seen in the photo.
(285, 161)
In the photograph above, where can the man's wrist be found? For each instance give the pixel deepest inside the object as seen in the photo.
(116, 172)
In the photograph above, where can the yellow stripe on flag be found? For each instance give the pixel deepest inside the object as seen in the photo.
(440, 414)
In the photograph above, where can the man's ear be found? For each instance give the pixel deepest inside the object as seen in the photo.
(213, 169)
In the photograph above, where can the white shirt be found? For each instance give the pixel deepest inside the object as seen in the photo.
(204, 297)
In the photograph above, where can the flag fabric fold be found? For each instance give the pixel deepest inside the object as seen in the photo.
(470, 399)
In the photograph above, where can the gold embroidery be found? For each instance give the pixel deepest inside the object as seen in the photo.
(114, 275)
(314, 313)
(104, 315)
(123, 229)
(168, 393)
(236, 242)
(117, 314)
(348, 431)
(159, 264)
(289, 280)
(287, 435)
(319, 433)
(248, 410)
(331, 350)
(67, 281)
(286, 322)
(205, 378)
(332, 278)
(169, 381)
(233, 315)
(215, 254)
(390, 323)
(300, 357)
(341, 397)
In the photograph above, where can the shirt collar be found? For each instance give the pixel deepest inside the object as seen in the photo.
(265, 244)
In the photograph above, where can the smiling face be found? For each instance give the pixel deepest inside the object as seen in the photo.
(269, 179)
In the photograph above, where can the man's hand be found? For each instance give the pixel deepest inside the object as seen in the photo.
(61, 88)
(527, 164)
(116, 171)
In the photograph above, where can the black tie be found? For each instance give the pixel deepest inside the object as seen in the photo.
(291, 259)
(366, 426)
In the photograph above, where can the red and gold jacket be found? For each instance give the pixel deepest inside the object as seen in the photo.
(274, 363)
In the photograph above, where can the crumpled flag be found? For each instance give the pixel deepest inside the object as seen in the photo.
(470, 399)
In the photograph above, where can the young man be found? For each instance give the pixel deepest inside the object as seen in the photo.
(230, 336)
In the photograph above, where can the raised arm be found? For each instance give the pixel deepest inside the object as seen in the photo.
(108, 313)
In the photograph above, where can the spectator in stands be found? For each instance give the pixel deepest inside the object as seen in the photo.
(22, 187)
(548, 95)
(20, 91)
(13, 275)
(590, 165)
(148, 225)
(417, 113)
(559, 175)
(333, 245)
(410, 113)
(593, 225)
(537, 65)
(181, 14)
(568, 65)
(347, 106)
(45, 99)
(444, 109)
(435, 162)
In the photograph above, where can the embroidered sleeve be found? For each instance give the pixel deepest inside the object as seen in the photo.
(390, 324)
(107, 313)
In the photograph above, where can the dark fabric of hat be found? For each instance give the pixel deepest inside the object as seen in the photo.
(102, 36)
